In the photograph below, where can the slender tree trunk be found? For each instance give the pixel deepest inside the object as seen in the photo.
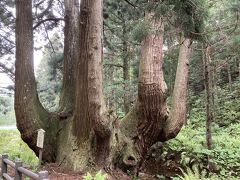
(30, 114)
(171, 69)
(209, 96)
(215, 90)
(229, 76)
(239, 69)
(111, 80)
(179, 100)
(71, 41)
(126, 77)
(210, 107)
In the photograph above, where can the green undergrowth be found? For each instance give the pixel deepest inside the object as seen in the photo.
(99, 176)
(12, 145)
(191, 141)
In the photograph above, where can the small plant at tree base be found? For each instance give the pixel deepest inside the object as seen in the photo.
(98, 176)
(196, 174)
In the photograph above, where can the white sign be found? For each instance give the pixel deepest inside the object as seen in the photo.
(40, 138)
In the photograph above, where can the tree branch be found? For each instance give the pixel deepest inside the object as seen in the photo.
(50, 42)
(116, 65)
(45, 20)
(8, 71)
(177, 115)
(127, 1)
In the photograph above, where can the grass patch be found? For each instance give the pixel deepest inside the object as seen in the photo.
(12, 145)
(7, 119)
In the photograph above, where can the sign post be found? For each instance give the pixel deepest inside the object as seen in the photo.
(40, 142)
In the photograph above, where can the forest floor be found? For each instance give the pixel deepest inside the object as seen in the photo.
(151, 170)
(58, 173)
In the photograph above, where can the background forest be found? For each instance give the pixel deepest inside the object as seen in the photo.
(208, 144)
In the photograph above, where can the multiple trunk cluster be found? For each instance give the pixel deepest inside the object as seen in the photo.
(82, 134)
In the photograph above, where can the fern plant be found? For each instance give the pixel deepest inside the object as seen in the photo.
(98, 176)
(191, 174)
(195, 174)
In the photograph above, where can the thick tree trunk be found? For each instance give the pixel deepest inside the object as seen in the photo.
(90, 125)
(152, 106)
(89, 88)
(84, 139)
(29, 112)
(71, 40)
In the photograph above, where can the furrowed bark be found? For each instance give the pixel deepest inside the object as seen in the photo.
(82, 123)
(149, 122)
(90, 107)
(143, 125)
(97, 106)
(89, 89)
(67, 97)
(177, 115)
(30, 114)
(152, 107)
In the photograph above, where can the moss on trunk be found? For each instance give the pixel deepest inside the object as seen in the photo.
(70, 153)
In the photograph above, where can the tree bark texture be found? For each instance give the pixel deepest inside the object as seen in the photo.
(90, 110)
(71, 40)
(29, 112)
(179, 99)
(152, 107)
(149, 121)
(89, 86)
